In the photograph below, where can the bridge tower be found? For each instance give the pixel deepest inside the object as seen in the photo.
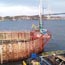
(49, 10)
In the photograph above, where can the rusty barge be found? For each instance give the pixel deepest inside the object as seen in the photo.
(19, 45)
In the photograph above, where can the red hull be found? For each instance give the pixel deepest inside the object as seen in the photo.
(20, 45)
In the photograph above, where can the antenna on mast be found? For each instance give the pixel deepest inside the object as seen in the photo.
(40, 16)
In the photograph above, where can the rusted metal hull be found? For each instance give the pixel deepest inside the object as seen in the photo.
(19, 45)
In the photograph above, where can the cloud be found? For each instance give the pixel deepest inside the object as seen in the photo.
(56, 5)
(17, 10)
(29, 7)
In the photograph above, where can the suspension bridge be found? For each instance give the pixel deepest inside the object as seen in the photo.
(56, 14)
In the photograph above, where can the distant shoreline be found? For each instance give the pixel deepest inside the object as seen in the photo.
(35, 17)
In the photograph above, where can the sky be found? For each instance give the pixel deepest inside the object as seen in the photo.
(30, 7)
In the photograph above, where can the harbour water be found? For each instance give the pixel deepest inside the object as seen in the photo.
(56, 27)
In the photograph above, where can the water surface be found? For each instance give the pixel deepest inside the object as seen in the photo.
(56, 27)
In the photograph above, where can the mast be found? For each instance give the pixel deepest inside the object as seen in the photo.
(40, 16)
